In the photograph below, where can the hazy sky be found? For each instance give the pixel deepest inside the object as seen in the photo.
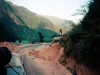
(59, 8)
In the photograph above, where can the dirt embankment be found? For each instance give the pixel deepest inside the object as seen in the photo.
(49, 56)
(54, 52)
(11, 46)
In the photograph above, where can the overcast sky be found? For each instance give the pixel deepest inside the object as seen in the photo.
(59, 8)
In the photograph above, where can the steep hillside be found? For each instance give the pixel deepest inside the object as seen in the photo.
(31, 19)
(82, 43)
(25, 23)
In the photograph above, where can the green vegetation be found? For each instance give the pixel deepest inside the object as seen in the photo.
(24, 23)
(7, 34)
(83, 41)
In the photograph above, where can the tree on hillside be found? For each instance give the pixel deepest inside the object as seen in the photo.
(60, 31)
(41, 37)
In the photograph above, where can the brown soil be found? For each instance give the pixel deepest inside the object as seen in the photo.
(47, 53)
(54, 52)
(11, 46)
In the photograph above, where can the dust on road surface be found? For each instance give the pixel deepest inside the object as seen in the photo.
(36, 62)
(43, 67)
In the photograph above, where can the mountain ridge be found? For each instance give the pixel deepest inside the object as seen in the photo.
(63, 24)
(25, 23)
(58, 21)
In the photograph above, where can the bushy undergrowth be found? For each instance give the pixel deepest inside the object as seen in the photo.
(85, 48)
(83, 41)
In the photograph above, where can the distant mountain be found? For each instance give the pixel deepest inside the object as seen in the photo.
(24, 23)
(60, 22)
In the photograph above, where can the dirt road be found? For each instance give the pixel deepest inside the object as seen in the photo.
(37, 66)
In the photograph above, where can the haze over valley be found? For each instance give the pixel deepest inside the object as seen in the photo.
(26, 24)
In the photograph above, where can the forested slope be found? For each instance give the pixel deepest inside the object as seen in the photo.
(24, 23)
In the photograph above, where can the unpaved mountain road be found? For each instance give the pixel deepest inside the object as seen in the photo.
(36, 66)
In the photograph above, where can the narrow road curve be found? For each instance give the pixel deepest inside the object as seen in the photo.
(30, 45)
(39, 66)
(29, 67)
